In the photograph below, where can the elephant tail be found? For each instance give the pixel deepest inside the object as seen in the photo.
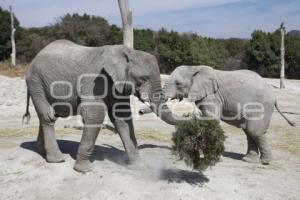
(26, 116)
(290, 122)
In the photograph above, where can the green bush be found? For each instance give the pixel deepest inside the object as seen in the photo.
(200, 143)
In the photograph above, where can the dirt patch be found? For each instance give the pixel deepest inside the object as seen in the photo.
(289, 142)
(18, 71)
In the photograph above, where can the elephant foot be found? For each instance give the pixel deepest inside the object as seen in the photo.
(55, 157)
(132, 158)
(83, 166)
(266, 159)
(251, 157)
(137, 165)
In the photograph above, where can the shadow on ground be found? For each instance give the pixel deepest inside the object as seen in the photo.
(119, 157)
(151, 146)
(100, 152)
(179, 176)
(232, 155)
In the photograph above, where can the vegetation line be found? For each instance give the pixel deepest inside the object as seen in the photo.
(261, 53)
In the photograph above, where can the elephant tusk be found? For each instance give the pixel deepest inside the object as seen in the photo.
(145, 110)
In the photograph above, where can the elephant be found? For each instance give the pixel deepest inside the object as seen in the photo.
(240, 98)
(66, 79)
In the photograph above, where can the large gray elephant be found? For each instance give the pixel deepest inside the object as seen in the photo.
(240, 98)
(68, 79)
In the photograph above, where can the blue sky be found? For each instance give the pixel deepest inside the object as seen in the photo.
(213, 18)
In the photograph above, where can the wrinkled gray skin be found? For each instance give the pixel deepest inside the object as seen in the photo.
(65, 61)
(226, 90)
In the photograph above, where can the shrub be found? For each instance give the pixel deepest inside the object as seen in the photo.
(7, 70)
(200, 143)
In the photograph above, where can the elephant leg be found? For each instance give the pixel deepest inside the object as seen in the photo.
(264, 149)
(40, 142)
(121, 117)
(126, 131)
(53, 153)
(46, 131)
(256, 131)
(86, 148)
(252, 151)
(93, 117)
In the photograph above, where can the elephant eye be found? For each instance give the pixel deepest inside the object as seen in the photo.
(178, 83)
(142, 79)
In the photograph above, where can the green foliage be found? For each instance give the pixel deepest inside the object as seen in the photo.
(172, 50)
(293, 57)
(176, 49)
(235, 46)
(5, 33)
(263, 54)
(144, 40)
(33, 40)
(260, 54)
(115, 36)
(200, 143)
(85, 30)
(235, 57)
(205, 51)
(82, 29)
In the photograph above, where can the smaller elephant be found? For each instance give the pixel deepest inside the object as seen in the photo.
(240, 98)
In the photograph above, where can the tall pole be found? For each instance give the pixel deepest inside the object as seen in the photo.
(13, 43)
(282, 50)
(126, 15)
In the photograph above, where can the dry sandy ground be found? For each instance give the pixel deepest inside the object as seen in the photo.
(24, 174)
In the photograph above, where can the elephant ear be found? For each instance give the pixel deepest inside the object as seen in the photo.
(117, 64)
(204, 83)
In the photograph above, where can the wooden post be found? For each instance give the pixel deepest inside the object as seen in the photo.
(13, 43)
(282, 50)
(126, 15)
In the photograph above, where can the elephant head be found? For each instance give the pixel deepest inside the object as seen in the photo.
(138, 73)
(192, 82)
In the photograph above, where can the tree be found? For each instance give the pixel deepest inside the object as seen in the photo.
(172, 50)
(13, 43)
(263, 53)
(126, 15)
(115, 36)
(31, 42)
(144, 40)
(5, 33)
(198, 51)
(292, 57)
(205, 51)
(82, 29)
(282, 50)
(235, 46)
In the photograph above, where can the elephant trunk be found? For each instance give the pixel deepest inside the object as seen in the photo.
(159, 106)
